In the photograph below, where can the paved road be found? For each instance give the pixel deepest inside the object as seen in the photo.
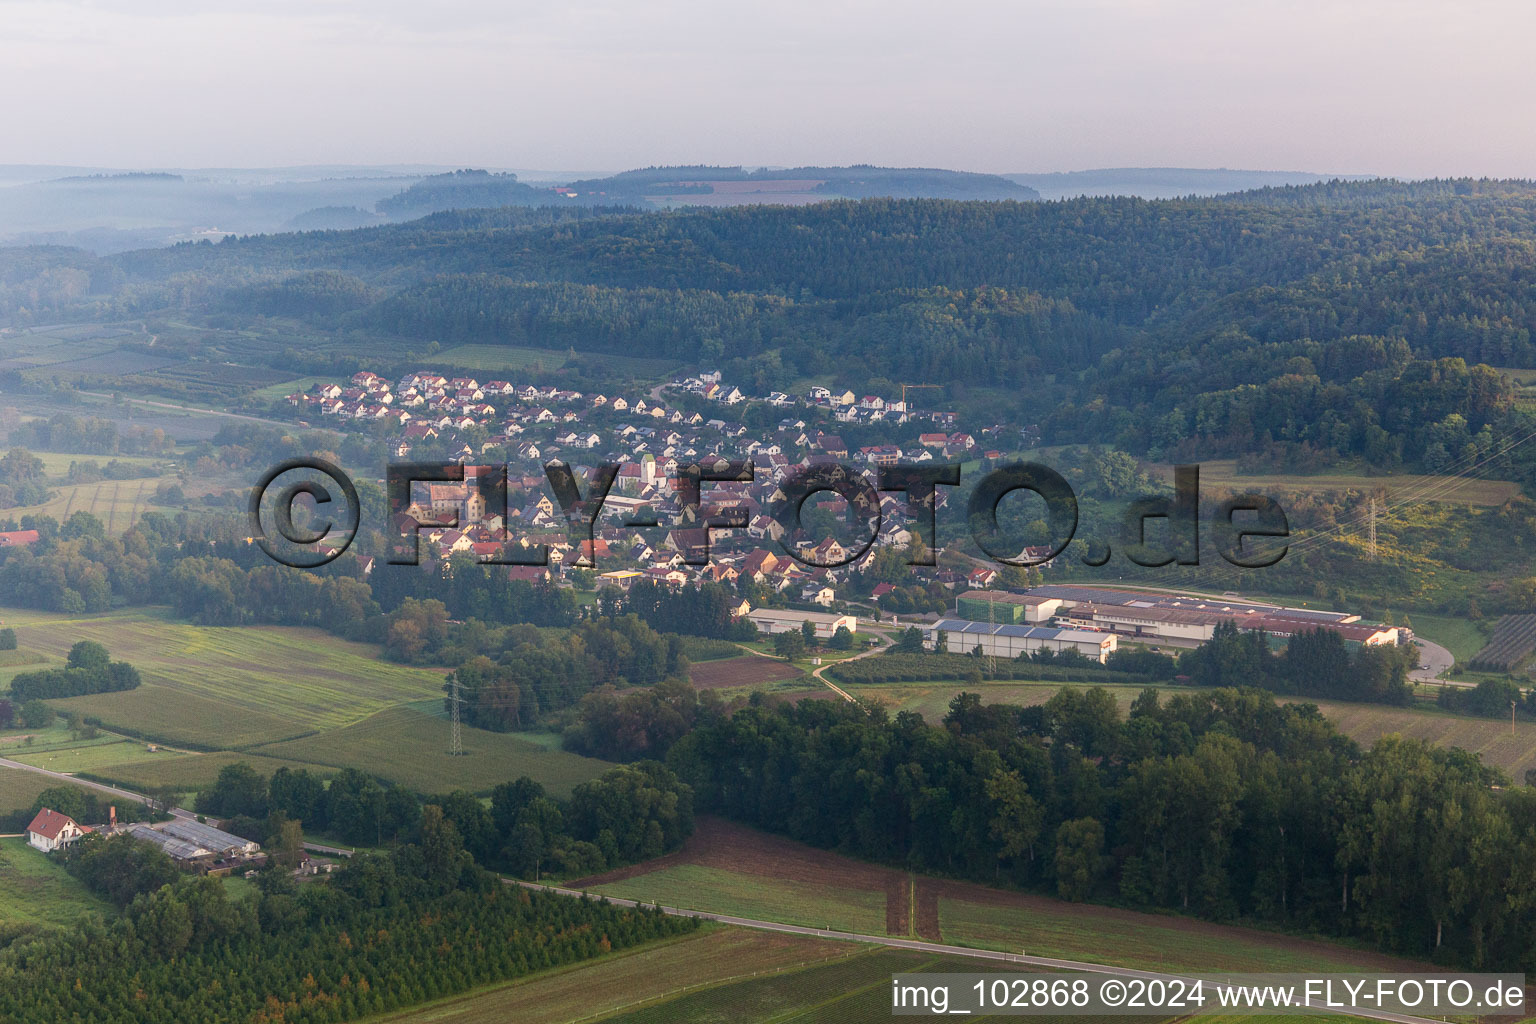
(1434, 658)
(180, 812)
(194, 410)
(925, 947)
(100, 787)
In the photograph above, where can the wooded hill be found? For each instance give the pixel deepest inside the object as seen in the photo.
(1327, 317)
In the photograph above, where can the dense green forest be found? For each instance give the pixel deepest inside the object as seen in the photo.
(1221, 804)
(1334, 320)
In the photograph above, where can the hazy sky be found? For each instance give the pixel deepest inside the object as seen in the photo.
(1353, 86)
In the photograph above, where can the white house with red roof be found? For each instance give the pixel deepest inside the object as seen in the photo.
(51, 830)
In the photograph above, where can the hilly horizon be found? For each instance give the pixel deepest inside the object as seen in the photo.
(107, 210)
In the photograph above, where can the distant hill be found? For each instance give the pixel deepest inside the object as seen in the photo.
(1167, 182)
(462, 190)
(793, 186)
(333, 218)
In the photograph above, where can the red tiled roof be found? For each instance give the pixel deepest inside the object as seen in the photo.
(49, 823)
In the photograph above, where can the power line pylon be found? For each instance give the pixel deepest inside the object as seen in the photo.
(456, 748)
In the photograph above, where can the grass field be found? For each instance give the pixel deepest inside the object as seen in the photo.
(35, 890)
(20, 789)
(410, 747)
(56, 464)
(815, 905)
(1457, 634)
(1221, 474)
(272, 392)
(304, 679)
(89, 756)
(492, 358)
(624, 981)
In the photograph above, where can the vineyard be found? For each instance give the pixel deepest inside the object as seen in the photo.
(1513, 640)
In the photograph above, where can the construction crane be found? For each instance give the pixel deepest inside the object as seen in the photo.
(904, 387)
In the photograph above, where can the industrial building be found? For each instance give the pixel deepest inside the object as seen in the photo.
(1001, 640)
(783, 620)
(1182, 620)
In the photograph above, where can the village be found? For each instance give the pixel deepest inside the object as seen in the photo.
(526, 425)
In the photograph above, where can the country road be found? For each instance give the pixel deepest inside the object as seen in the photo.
(745, 922)
(816, 674)
(195, 411)
(179, 812)
(926, 947)
(100, 787)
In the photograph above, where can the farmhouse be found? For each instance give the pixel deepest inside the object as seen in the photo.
(961, 636)
(51, 831)
(784, 620)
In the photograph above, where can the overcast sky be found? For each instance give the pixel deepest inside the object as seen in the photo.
(1398, 87)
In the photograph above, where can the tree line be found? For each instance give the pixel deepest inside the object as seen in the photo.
(630, 813)
(89, 668)
(1316, 663)
(1222, 804)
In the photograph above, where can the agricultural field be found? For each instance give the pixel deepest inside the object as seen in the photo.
(623, 982)
(1457, 634)
(854, 989)
(175, 717)
(732, 869)
(1512, 642)
(56, 464)
(812, 904)
(967, 914)
(34, 890)
(186, 772)
(117, 503)
(972, 915)
(1221, 474)
(275, 695)
(410, 747)
(88, 755)
(305, 679)
(20, 789)
(747, 671)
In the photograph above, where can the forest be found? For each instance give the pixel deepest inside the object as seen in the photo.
(1325, 322)
(389, 930)
(1221, 804)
